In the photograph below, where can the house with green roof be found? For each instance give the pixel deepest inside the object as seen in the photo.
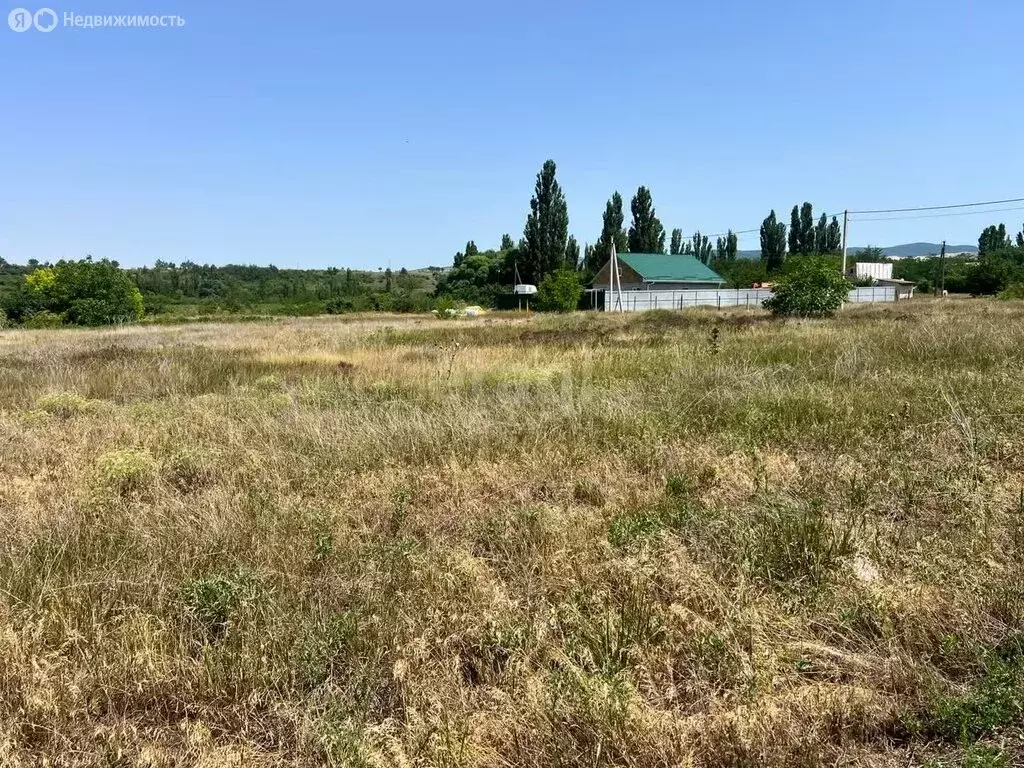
(659, 272)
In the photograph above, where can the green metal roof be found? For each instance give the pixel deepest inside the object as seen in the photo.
(660, 268)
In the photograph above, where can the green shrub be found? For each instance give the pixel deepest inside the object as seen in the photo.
(212, 602)
(82, 292)
(444, 308)
(632, 527)
(812, 288)
(127, 471)
(560, 291)
(997, 699)
(43, 319)
(65, 404)
(796, 546)
(1013, 292)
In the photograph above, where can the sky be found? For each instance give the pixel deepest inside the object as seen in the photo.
(389, 133)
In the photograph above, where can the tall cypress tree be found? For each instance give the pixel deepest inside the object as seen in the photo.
(471, 249)
(646, 235)
(773, 242)
(506, 242)
(572, 254)
(611, 232)
(701, 247)
(675, 247)
(794, 230)
(821, 235)
(726, 247)
(547, 226)
(833, 236)
(807, 244)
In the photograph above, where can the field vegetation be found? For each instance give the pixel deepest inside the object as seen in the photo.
(697, 538)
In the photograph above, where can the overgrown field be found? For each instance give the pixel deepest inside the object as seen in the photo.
(654, 540)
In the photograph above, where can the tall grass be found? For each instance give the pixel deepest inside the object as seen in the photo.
(584, 540)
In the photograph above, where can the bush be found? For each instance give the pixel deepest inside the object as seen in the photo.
(812, 288)
(445, 309)
(212, 602)
(83, 292)
(43, 319)
(65, 404)
(1013, 292)
(127, 471)
(560, 291)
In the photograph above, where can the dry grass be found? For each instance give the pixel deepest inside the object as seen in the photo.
(589, 540)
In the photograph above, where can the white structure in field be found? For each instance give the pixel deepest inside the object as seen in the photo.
(872, 269)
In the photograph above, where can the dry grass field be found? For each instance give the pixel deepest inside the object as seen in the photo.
(698, 538)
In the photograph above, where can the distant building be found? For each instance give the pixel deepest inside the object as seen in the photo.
(659, 272)
(874, 269)
(881, 275)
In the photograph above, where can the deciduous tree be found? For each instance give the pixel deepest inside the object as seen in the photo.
(701, 247)
(611, 232)
(675, 247)
(773, 242)
(572, 253)
(993, 238)
(547, 226)
(646, 235)
(727, 247)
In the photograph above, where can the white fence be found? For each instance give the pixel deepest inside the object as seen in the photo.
(751, 298)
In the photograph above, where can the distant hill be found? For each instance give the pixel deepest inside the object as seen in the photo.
(905, 251)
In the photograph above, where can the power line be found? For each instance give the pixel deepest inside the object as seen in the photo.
(909, 210)
(943, 215)
(942, 207)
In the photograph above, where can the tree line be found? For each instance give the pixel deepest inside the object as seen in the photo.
(546, 247)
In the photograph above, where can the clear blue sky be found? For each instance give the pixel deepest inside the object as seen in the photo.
(351, 134)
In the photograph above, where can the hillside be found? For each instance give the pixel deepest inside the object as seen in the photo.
(907, 250)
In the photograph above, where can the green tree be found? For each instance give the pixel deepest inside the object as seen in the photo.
(871, 253)
(572, 253)
(611, 232)
(675, 247)
(646, 235)
(559, 291)
(1020, 237)
(812, 288)
(833, 236)
(588, 258)
(727, 247)
(802, 231)
(547, 227)
(773, 243)
(993, 238)
(471, 249)
(83, 292)
(702, 249)
(506, 242)
(828, 236)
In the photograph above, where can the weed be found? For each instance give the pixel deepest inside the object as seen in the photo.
(66, 404)
(127, 471)
(212, 602)
(796, 545)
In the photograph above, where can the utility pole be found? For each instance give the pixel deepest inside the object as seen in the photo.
(846, 219)
(942, 261)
